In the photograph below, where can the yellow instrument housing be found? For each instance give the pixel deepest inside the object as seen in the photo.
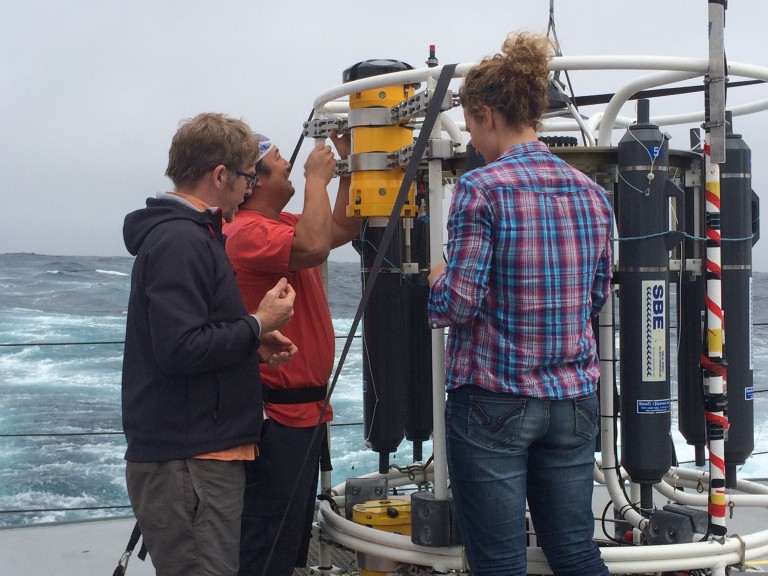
(374, 192)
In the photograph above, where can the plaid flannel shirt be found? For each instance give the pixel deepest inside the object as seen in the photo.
(529, 264)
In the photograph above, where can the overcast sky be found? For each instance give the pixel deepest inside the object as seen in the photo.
(92, 91)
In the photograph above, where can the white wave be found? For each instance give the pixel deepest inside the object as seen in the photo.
(34, 500)
(30, 326)
(32, 367)
(112, 272)
(342, 326)
(352, 457)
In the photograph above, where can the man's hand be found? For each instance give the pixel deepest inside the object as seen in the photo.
(343, 143)
(276, 349)
(276, 308)
(320, 166)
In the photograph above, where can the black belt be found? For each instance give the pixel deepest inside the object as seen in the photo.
(294, 395)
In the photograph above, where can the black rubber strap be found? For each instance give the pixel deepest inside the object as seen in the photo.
(298, 144)
(425, 133)
(122, 564)
(294, 395)
(325, 456)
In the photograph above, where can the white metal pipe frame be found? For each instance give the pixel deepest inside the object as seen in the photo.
(710, 554)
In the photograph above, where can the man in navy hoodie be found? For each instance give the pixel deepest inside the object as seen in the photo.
(192, 406)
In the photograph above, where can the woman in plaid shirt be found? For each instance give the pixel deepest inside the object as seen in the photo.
(529, 266)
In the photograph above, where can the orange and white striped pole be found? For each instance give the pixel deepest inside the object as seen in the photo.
(713, 362)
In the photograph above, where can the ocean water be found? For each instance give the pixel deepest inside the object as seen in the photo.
(61, 444)
(62, 322)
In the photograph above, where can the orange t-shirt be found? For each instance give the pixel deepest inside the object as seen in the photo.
(244, 452)
(260, 249)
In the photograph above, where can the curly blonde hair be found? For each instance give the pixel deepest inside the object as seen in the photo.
(514, 82)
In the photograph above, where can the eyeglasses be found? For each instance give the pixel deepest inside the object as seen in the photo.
(250, 179)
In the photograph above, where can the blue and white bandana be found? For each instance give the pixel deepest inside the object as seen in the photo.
(265, 145)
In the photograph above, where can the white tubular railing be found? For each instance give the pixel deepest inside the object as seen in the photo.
(710, 554)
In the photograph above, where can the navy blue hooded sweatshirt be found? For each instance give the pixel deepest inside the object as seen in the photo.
(190, 371)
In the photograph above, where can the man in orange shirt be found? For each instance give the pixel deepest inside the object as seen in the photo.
(264, 244)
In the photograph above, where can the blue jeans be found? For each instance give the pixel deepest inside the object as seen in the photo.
(503, 448)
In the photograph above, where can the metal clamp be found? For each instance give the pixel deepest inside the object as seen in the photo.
(321, 127)
(439, 148)
(366, 161)
(742, 549)
(436, 148)
(399, 113)
(377, 116)
(371, 117)
(342, 168)
(402, 156)
(418, 104)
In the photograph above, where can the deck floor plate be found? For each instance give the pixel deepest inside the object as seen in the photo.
(95, 546)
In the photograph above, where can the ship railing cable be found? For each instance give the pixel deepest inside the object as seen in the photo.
(101, 342)
(120, 432)
(348, 337)
(749, 238)
(68, 509)
(128, 506)
(91, 343)
(20, 435)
